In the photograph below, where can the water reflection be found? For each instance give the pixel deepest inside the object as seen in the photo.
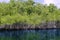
(50, 34)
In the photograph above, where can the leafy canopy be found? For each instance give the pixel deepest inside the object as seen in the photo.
(29, 12)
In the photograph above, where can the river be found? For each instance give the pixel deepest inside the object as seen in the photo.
(46, 34)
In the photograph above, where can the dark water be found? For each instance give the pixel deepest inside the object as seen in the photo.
(50, 34)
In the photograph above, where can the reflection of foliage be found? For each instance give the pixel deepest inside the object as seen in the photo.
(7, 38)
(27, 12)
(30, 36)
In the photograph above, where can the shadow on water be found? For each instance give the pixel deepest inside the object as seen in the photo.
(50, 34)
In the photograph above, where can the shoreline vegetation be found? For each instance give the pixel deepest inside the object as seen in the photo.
(28, 15)
(22, 26)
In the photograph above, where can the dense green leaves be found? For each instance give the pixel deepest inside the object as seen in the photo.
(27, 12)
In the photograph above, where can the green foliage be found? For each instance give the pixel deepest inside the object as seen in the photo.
(27, 12)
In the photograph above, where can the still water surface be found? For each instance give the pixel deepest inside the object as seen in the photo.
(50, 34)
